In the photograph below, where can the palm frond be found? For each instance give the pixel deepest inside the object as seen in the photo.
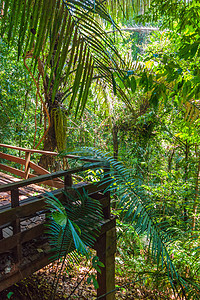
(138, 209)
(74, 223)
(126, 9)
(73, 227)
(70, 38)
(192, 109)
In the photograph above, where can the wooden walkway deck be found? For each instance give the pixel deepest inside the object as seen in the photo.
(24, 246)
(24, 192)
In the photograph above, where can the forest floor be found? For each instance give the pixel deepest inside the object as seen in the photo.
(73, 285)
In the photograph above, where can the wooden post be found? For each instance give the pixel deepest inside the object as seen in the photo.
(106, 210)
(27, 164)
(1, 234)
(106, 248)
(68, 181)
(16, 223)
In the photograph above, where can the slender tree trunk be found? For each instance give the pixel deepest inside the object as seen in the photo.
(185, 213)
(196, 196)
(170, 160)
(50, 142)
(115, 139)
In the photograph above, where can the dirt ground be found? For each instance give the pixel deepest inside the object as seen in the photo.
(71, 285)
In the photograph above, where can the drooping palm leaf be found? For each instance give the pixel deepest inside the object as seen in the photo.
(73, 227)
(138, 209)
(74, 223)
(69, 37)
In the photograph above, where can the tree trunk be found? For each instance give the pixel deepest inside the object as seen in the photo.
(185, 213)
(196, 196)
(115, 139)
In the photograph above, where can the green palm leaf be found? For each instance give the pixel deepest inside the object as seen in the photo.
(59, 31)
(73, 227)
(138, 209)
(74, 223)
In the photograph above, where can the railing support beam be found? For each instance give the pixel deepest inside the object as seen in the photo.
(106, 248)
(27, 164)
(16, 224)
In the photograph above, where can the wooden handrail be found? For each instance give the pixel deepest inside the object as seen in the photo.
(22, 161)
(49, 153)
(29, 150)
(41, 178)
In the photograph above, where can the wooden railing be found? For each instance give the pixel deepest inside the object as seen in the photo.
(28, 164)
(14, 216)
(27, 208)
(22, 209)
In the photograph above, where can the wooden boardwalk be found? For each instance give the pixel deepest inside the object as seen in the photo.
(24, 246)
(24, 192)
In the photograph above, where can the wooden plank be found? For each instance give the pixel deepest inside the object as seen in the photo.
(27, 164)
(1, 234)
(27, 269)
(29, 200)
(57, 183)
(32, 165)
(29, 150)
(8, 243)
(106, 248)
(8, 178)
(24, 272)
(11, 214)
(16, 223)
(107, 225)
(28, 191)
(12, 170)
(38, 169)
(33, 204)
(53, 183)
(41, 178)
(49, 153)
(104, 199)
(90, 188)
(104, 203)
(12, 158)
(67, 181)
(14, 198)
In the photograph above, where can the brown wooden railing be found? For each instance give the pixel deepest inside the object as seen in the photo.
(28, 164)
(25, 209)
(22, 209)
(14, 216)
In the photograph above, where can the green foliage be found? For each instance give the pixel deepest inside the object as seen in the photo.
(73, 228)
(74, 223)
(96, 264)
(74, 50)
(154, 104)
(9, 295)
(161, 233)
(17, 99)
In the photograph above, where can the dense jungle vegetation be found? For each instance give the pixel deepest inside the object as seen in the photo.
(118, 80)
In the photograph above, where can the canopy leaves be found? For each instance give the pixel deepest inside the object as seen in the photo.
(68, 39)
